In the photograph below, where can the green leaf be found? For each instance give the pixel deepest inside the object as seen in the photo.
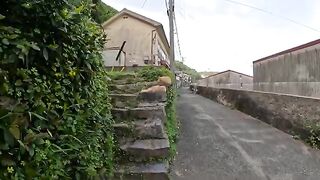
(8, 138)
(26, 5)
(79, 9)
(18, 83)
(34, 46)
(2, 17)
(5, 41)
(31, 151)
(36, 30)
(38, 116)
(15, 131)
(45, 54)
(53, 46)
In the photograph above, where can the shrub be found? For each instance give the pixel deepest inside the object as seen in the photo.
(312, 134)
(152, 73)
(54, 107)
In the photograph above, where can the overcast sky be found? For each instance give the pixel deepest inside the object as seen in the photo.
(216, 35)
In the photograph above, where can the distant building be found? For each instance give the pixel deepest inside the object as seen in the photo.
(143, 40)
(293, 71)
(206, 74)
(182, 79)
(228, 79)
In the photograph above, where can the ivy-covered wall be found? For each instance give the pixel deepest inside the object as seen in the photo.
(54, 106)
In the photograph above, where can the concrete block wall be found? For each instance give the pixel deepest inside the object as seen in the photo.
(295, 72)
(286, 112)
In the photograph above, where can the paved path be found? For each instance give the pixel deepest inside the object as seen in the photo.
(218, 143)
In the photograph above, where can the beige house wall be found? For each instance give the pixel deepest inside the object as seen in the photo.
(141, 40)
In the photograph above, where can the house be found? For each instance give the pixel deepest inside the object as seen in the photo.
(293, 71)
(228, 79)
(182, 79)
(135, 40)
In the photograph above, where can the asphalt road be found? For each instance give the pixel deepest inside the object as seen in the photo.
(218, 143)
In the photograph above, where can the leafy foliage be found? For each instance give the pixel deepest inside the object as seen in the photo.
(104, 12)
(152, 73)
(184, 68)
(100, 11)
(312, 137)
(172, 125)
(54, 107)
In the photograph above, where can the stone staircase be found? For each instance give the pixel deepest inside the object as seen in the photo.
(142, 141)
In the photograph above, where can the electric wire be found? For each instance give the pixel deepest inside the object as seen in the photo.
(273, 14)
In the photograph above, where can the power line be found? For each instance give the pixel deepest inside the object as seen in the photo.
(272, 14)
(143, 3)
(166, 2)
(178, 40)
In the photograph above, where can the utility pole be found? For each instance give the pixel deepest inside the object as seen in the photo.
(171, 25)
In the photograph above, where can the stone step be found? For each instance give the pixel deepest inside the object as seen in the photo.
(143, 129)
(144, 149)
(152, 96)
(139, 113)
(130, 88)
(123, 76)
(142, 171)
(133, 100)
(124, 100)
(129, 80)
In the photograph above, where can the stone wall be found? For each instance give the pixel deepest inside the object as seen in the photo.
(286, 112)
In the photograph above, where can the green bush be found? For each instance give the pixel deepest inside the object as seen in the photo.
(152, 73)
(312, 134)
(54, 107)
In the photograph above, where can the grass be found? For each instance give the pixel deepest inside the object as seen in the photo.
(172, 124)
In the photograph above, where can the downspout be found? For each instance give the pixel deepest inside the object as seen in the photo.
(152, 40)
(121, 49)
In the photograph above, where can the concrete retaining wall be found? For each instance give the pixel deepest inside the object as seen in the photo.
(286, 112)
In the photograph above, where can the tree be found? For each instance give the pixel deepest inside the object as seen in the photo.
(100, 11)
(180, 66)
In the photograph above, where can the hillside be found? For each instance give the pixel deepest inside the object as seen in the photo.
(101, 12)
(104, 12)
(180, 66)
